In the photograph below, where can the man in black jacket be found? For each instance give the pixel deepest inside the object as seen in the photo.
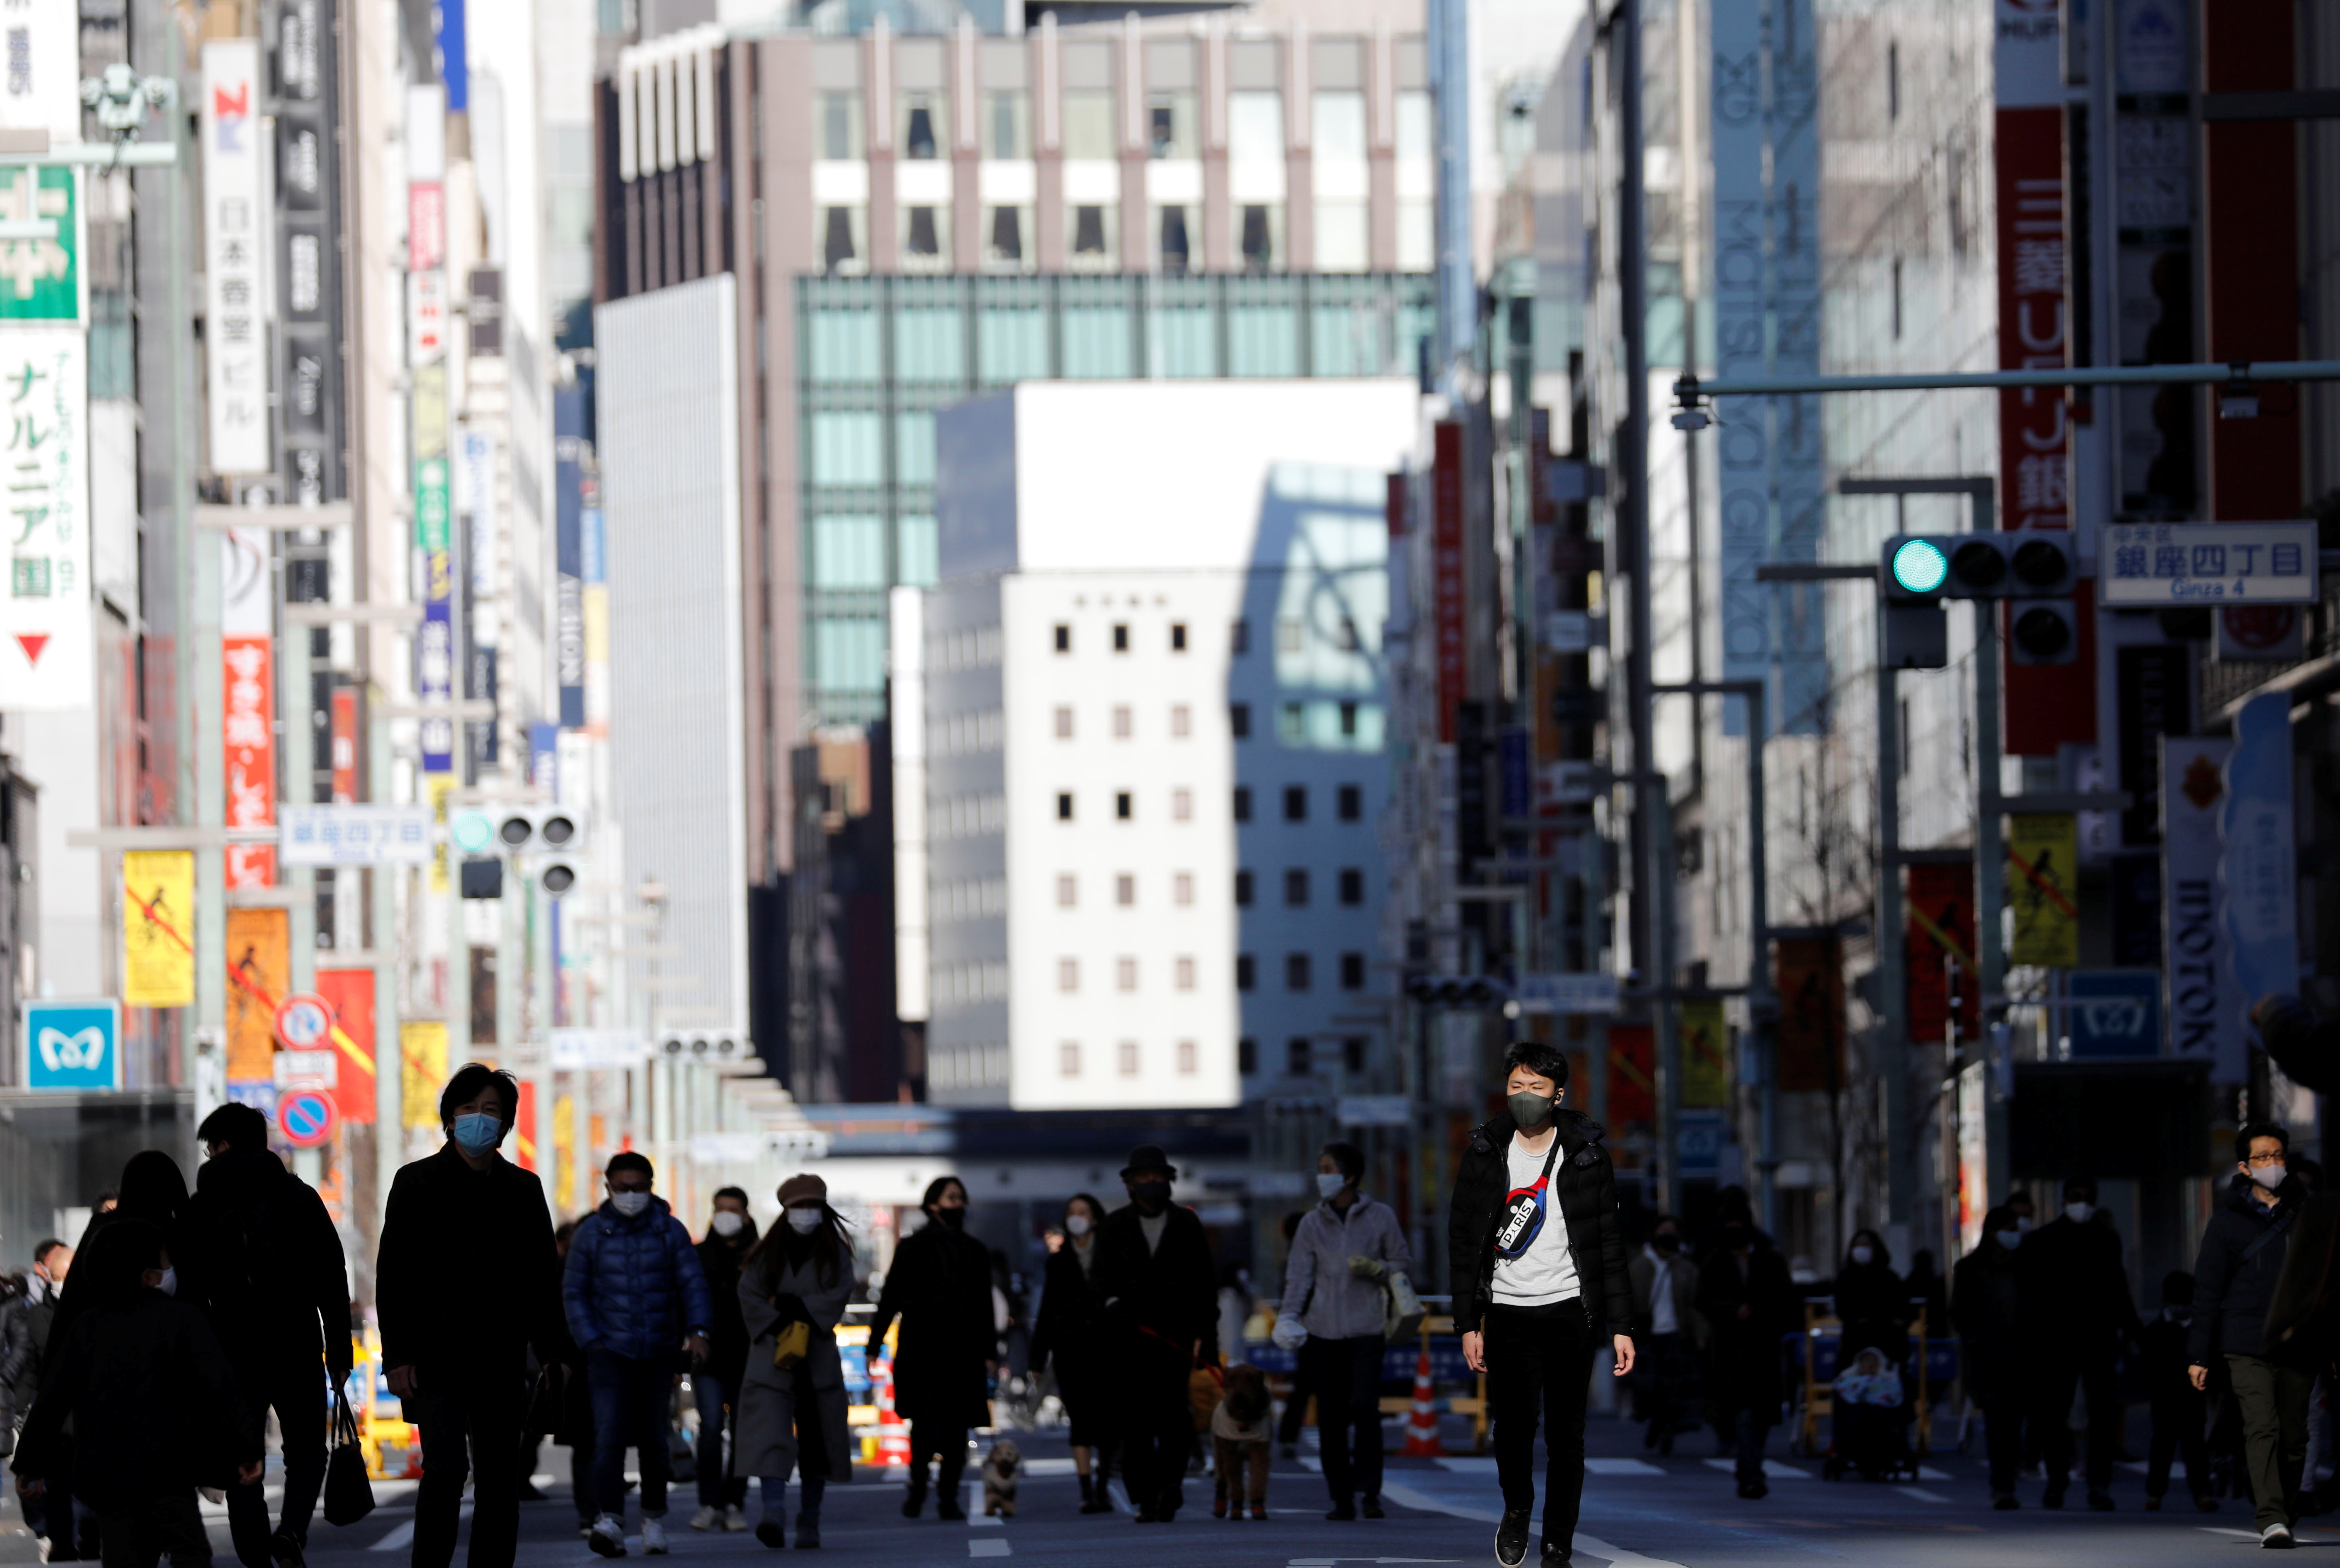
(1539, 1280)
(279, 1295)
(465, 1282)
(1154, 1274)
(2235, 1274)
(2079, 1316)
(24, 1361)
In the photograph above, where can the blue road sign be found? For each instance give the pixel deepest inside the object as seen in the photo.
(2116, 1014)
(72, 1045)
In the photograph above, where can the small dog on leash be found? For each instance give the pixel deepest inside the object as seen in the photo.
(1241, 1430)
(999, 1467)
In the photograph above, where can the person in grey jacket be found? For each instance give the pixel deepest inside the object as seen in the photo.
(1345, 1247)
(791, 1421)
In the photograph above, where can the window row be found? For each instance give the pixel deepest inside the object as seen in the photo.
(1008, 237)
(1301, 1057)
(969, 898)
(1349, 803)
(1088, 126)
(1119, 637)
(967, 1066)
(967, 648)
(961, 984)
(1125, 722)
(1297, 885)
(966, 816)
(1301, 723)
(1300, 971)
(1291, 636)
(961, 734)
(1128, 1058)
(1125, 974)
(1125, 890)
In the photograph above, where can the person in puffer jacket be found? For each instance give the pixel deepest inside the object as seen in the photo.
(635, 1295)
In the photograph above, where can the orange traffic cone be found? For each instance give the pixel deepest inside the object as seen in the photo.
(1421, 1427)
(893, 1436)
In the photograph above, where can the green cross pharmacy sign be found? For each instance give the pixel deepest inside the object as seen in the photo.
(40, 244)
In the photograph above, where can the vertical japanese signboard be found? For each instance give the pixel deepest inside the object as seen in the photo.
(45, 655)
(234, 337)
(41, 275)
(1447, 576)
(2205, 1007)
(309, 421)
(569, 552)
(248, 699)
(1941, 950)
(42, 88)
(2258, 870)
(437, 648)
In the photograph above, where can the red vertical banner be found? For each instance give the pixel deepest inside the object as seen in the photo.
(1447, 577)
(524, 1128)
(1632, 1074)
(345, 746)
(349, 993)
(248, 713)
(1810, 1051)
(1940, 945)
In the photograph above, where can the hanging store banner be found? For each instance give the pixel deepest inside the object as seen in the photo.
(422, 1072)
(2258, 875)
(235, 339)
(43, 87)
(260, 975)
(158, 928)
(568, 552)
(594, 558)
(1810, 1050)
(349, 992)
(1742, 444)
(248, 698)
(1939, 950)
(2205, 1005)
(1705, 1055)
(1447, 577)
(45, 653)
(2043, 888)
(308, 295)
(41, 275)
(1632, 1074)
(2153, 684)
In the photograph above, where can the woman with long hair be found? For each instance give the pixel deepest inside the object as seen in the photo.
(791, 1419)
(940, 1286)
(1067, 1334)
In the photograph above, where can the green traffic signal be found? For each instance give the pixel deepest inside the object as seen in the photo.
(1920, 566)
(471, 832)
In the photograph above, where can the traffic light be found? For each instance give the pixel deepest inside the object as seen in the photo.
(524, 829)
(712, 1045)
(2045, 632)
(549, 837)
(1923, 569)
(1459, 993)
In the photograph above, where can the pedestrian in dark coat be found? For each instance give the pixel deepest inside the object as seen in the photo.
(791, 1420)
(1748, 1304)
(1986, 1307)
(715, 1388)
(280, 1302)
(1871, 1302)
(465, 1282)
(1667, 1335)
(2235, 1272)
(1070, 1337)
(1157, 1282)
(939, 1289)
(2081, 1316)
(153, 1407)
(152, 1190)
(2178, 1416)
(1536, 1255)
(635, 1302)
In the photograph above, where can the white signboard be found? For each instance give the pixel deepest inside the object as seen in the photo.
(235, 337)
(42, 89)
(1566, 994)
(353, 835)
(586, 1049)
(308, 1068)
(44, 628)
(2209, 564)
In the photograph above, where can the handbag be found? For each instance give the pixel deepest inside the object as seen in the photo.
(1401, 1308)
(791, 1345)
(349, 1495)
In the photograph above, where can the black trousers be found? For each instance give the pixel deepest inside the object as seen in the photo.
(933, 1440)
(2002, 1438)
(2059, 1376)
(1347, 1375)
(1157, 1425)
(2178, 1431)
(294, 1387)
(1540, 1363)
(1295, 1409)
(138, 1536)
(480, 1409)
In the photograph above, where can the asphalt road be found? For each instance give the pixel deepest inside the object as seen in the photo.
(1639, 1513)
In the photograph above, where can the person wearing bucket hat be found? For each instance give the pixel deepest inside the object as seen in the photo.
(1154, 1275)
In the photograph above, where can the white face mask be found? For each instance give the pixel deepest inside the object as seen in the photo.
(727, 1223)
(1076, 1225)
(2078, 1213)
(169, 1284)
(2023, 1224)
(630, 1203)
(1328, 1186)
(1863, 1254)
(804, 1221)
(2010, 1239)
(2268, 1176)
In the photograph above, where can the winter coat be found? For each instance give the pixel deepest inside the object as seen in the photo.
(1070, 1331)
(1873, 1305)
(2077, 1299)
(24, 1344)
(1987, 1308)
(633, 1287)
(1331, 1302)
(1744, 1356)
(277, 1284)
(770, 1403)
(153, 1403)
(2231, 1296)
(2168, 1383)
(727, 1345)
(467, 1278)
(1681, 1277)
(1583, 1185)
(940, 1286)
(2303, 1317)
(1158, 1304)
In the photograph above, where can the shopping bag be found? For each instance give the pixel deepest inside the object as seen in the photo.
(1401, 1308)
(349, 1495)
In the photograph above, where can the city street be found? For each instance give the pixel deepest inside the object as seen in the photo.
(1639, 1513)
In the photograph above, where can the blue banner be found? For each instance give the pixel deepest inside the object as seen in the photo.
(2258, 870)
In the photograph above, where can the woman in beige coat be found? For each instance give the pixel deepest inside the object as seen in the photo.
(792, 1421)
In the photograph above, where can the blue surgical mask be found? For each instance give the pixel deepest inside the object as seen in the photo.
(478, 1132)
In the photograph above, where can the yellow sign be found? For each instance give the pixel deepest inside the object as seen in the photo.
(422, 1073)
(258, 974)
(437, 787)
(158, 928)
(564, 1148)
(1705, 1056)
(2043, 887)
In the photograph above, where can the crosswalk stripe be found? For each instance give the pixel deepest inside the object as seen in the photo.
(397, 1540)
(1922, 1494)
(990, 1547)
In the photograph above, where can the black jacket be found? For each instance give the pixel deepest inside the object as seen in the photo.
(1158, 1300)
(2166, 1380)
(726, 1340)
(1744, 1354)
(939, 1286)
(1584, 1186)
(24, 1346)
(2230, 1296)
(2077, 1291)
(1986, 1307)
(277, 1282)
(467, 1276)
(1070, 1314)
(153, 1407)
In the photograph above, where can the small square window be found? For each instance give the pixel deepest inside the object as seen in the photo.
(1068, 1059)
(1352, 886)
(1067, 892)
(1295, 802)
(1128, 1053)
(1352, 1053)
(1063, 805)
(1242, 890)
(1064, 723)
(1122, 723)
(1349, 720)
(1125, 890)
(1297, 1057)
(1177, 636)
(1291, 724)
(1246, 972)
(1186, 1057)
(1182, 806)
(1242, 802)
(1125, 974)
(1063, 638)
(1068, 974)
(1239, 720)
(1246, 1056)
(1121, 637)
(1353, 971)
(1185, 975)
(1353, 803)
(1239, 637)
(1295, 888)
(1297, 971)
(1291, 636)
(1182, 722)
(1181, 888)
(1123, 809)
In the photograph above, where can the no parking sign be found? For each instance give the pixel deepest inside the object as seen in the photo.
(305, 1117)
(304, 1021)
